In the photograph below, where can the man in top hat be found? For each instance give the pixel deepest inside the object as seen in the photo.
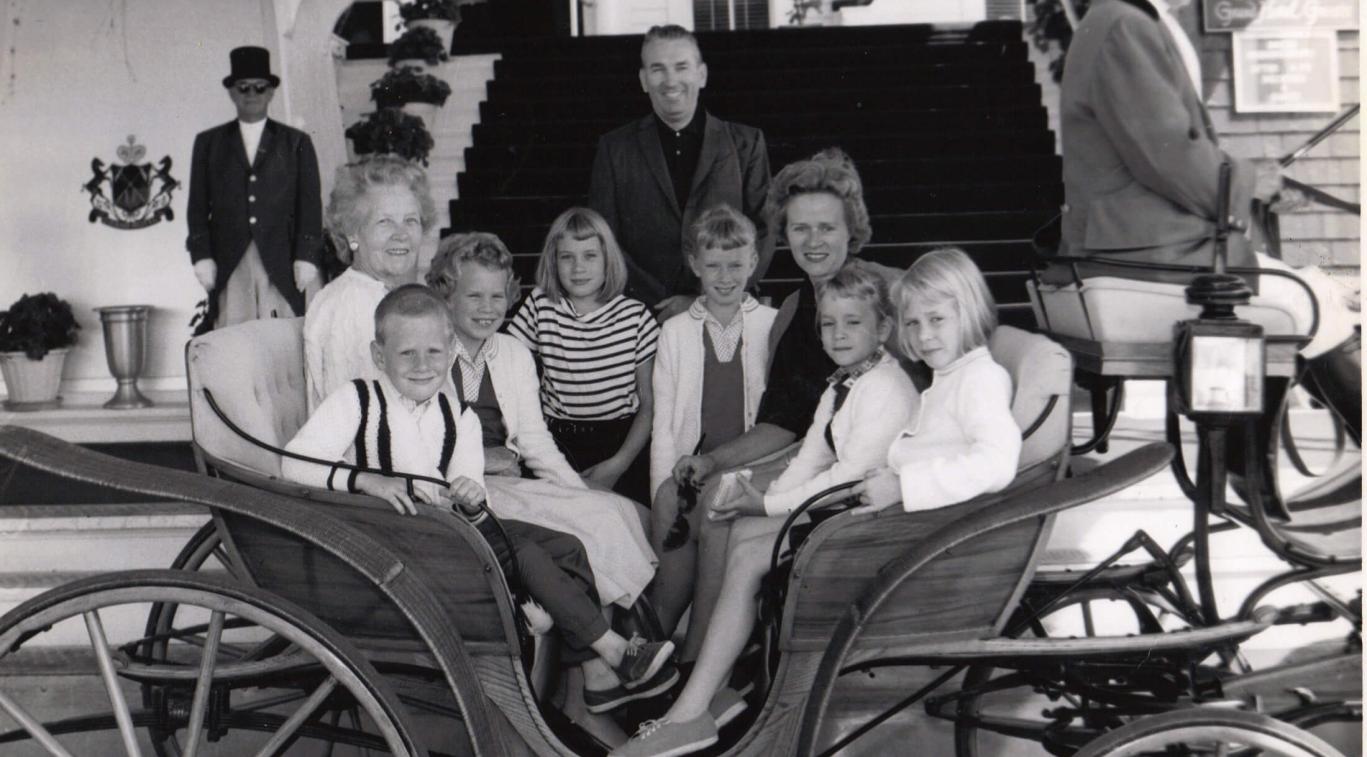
(255, 210)
(653, 177)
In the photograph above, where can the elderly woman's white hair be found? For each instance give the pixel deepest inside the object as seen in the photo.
(347, 206)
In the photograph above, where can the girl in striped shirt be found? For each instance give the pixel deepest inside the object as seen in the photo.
(596, 349)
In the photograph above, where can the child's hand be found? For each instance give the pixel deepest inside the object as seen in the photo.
(466, 495)
(750, 501)
(604, 474)
(694, 468)
(392, 490)
(880, 488)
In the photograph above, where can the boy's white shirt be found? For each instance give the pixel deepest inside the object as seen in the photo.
(416, 430)
(518, 390)
(880, 404)
(677, 378)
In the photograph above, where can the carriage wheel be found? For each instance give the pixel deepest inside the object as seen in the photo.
(205, 551)
(1002, 711)
(1204, 730)
(258, 707)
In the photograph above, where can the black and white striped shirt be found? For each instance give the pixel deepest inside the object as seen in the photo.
(589, 361)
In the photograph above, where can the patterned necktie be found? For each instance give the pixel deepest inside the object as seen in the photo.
(842, 390)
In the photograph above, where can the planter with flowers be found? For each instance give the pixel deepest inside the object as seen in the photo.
(416, 93)
(390, 130)
(441, 16)
(35, 334)
(419, 49)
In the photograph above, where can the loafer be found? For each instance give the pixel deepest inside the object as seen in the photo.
(726, 705)
(642, 660)
(607, 700)
(665, 738)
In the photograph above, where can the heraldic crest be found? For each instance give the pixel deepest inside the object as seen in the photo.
(131, 202)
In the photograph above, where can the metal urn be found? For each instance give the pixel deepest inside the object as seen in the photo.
(125, 348)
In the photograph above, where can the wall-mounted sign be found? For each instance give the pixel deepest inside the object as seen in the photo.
(1286, 72)
(1238, 15)
(139, 194)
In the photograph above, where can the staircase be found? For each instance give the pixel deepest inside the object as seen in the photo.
(945, 124)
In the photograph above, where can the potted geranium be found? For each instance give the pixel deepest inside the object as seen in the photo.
(419, 48)
(417, 93)
(390, 130)
(35, 334)
(441, 16)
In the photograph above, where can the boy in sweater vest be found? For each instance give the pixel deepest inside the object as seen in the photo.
(411, 422)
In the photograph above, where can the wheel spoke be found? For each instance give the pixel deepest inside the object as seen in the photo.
(206, 678)
(34, 728)
(100, 643)
(296, 720)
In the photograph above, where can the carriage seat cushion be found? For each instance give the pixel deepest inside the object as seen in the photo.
(1114, 309)
(255, 371)
(1040, 369)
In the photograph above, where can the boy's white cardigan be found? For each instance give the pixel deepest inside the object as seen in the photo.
(518, 390)
(678, 376)
(880, 404)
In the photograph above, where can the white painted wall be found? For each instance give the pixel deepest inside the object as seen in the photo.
(81, 77)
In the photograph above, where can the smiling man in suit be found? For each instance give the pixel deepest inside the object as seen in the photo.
(653, 177)
(254, 209)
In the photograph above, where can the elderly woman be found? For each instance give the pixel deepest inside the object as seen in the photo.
(819, 205)
(379, 212)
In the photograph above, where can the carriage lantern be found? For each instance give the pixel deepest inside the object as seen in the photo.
(1220, 359)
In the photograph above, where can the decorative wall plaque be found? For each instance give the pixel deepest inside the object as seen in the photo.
(139, 194)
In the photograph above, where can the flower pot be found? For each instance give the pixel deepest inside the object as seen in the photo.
(32, 384)
(445, 29)
(426, 111)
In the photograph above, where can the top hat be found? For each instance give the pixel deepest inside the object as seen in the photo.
(250, 63)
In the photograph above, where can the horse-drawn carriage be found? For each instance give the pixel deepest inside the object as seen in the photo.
(301, 618)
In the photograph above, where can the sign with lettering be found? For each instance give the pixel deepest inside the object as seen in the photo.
(1286, 72)
(1238, 15)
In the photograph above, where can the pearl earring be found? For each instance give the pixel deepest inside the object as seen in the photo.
(354, 245)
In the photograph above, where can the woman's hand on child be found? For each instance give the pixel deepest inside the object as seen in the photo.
(604, 474)
(693, 468)
(879, 489)
(392, 490)
(466, 495)
(749, 502)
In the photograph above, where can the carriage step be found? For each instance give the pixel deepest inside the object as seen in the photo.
(101, 537)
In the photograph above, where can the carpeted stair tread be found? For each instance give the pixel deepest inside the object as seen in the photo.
(469, 213)
(1002, 143)
(965, 72)
(879, 100)
(780, 123)
(875, 173)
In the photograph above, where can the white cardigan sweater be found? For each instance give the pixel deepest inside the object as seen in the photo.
(880, 404)
(964, 442)
(677, 383)
(518, 390)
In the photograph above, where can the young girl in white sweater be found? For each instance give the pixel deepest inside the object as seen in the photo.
(964, 442)
(869, 401)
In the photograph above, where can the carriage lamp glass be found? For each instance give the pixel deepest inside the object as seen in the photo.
(1222, 367)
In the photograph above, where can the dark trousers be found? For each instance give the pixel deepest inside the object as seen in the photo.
(587, 443)
(555, 571)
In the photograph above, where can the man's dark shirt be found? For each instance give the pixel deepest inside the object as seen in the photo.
(681, 149)
(797, 376)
